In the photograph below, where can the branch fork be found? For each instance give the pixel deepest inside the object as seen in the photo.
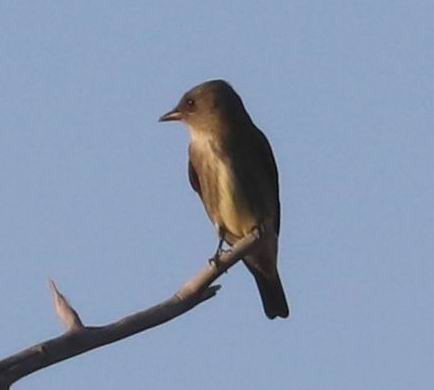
(79, 338)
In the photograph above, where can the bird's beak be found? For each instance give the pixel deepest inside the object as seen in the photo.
(173, 115)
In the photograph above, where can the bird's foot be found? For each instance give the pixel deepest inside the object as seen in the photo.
(219, 251)
(215, 260)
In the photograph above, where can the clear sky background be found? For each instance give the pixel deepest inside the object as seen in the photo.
(94, 191)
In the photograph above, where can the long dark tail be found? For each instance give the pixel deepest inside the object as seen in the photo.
(271, 291)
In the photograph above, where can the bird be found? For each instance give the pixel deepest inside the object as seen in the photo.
(233, 170)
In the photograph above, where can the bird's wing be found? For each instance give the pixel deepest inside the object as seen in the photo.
(192, 174)
(263, 151)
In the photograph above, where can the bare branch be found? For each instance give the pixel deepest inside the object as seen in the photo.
(79, 339)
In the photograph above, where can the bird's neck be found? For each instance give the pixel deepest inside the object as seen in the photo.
(219, 132)
(204, 138)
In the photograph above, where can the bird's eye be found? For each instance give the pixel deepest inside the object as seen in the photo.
(190, 102)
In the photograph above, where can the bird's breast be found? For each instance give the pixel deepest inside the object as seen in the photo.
(225, 199)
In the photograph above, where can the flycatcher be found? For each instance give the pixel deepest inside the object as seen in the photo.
(233, 170)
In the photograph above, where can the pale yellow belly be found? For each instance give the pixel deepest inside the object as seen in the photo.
(233, 208)
(222, 194)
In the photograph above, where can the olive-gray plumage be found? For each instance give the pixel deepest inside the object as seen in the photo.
(233, 170)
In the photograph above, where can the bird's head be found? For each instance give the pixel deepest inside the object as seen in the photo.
(207, 105)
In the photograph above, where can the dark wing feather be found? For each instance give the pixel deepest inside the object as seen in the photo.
(264, 152)
(192, 174)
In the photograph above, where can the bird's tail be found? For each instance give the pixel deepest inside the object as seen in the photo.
(271, 291)
(272, 295)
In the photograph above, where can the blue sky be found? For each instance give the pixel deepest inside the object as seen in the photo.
(95, 195)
